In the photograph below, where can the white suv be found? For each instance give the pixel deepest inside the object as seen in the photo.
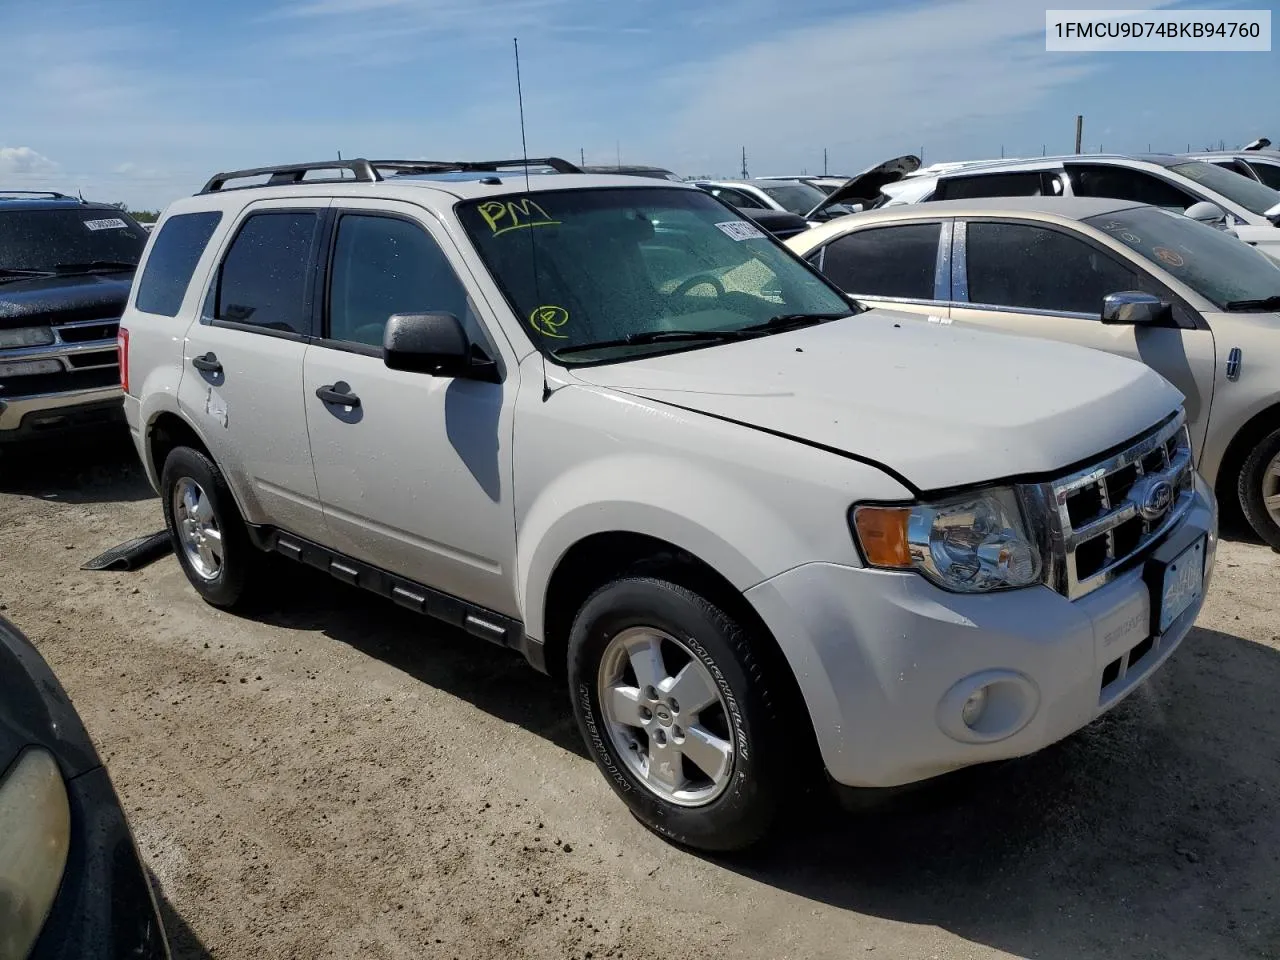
(610, 424)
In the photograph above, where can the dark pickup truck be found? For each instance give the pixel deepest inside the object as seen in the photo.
(65, 270)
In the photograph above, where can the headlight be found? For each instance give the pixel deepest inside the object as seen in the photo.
(26, 337)
(35, 833)
(970, 544)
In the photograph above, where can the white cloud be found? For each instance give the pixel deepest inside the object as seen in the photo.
(25, 162)
(870, 85)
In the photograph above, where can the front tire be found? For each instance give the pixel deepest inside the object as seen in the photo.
(674, 708)
(208, 535)
(1259, 489)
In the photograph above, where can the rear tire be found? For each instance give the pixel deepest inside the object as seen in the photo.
(207, 532)
(1259, 489)
(706, 773)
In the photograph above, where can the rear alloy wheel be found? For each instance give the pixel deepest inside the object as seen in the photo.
(675, 709)
(208, 535)
(1259, 489)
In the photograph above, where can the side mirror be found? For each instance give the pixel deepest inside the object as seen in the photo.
(433, 343)
(1206, 212)
(1135, 309)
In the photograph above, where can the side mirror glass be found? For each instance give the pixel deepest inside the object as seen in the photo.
(1206, 212)
(431, 343)
(1135, 308)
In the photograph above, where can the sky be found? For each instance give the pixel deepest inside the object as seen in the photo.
(140, 101)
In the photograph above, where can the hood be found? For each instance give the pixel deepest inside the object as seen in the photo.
(940, 405)
(865, 187)
(35, 710)
(92, 296)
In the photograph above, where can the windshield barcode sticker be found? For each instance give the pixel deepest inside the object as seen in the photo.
(740, 230)
(111, 223)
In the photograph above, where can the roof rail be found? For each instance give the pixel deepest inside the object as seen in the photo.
(366, 171)
(289, 173)
(476, 166)
(51, 194)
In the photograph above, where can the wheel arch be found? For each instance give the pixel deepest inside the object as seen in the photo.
(1245, 438)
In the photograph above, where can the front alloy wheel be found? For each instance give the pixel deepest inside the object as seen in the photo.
(678, 712)
(668, 724)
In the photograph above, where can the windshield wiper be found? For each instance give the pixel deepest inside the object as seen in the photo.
(786, 321)
(95, 266)
(1264, 303)
(8, 274)
(793, 321)
(657, 336)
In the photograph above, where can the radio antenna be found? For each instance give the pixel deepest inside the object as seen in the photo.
(533, 248)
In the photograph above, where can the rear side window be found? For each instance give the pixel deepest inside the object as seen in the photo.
(1032, 183)
(264, 278)
(886, 261)
(173, 259)
(1019, 265)
(1120, 183)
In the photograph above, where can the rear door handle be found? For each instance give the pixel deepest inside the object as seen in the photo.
(330, 393)
(208, 363)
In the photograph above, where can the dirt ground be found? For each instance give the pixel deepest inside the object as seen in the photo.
(337, 778)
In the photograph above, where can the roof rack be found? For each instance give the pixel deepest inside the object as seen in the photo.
(367, 171)
(51, 194)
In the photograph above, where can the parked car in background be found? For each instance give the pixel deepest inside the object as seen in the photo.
(789, 196)
(607, 423)
(1255, 161)
(65, 270)
(1199, 306)
(634, 170)
(827, 184)
(1249, 209)
(72, 885)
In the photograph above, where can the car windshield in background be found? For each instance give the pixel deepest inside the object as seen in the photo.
(1215, 264)
(640, 269)
(70, 240)
(1250, 194)
(797, 197)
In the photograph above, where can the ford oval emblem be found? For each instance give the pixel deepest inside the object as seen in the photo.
(1156, 500)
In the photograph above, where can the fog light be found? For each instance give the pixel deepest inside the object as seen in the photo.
(973, 708)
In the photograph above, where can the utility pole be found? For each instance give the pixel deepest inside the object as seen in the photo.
(824, 161)
(1079, 131)
(922, 154)
(618, 147)
(744, 164)
(582, 157)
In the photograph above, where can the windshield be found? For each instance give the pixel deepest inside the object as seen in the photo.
(1253, 196)
(45, 239)
(797, 197)
(1215, 264)
(586, 266)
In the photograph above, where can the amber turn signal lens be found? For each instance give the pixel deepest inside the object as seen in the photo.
(882, 531)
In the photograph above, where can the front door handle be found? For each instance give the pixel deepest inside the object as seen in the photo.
(208, 363)
(338, 393)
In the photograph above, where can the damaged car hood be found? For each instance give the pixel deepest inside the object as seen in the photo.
(939, 405)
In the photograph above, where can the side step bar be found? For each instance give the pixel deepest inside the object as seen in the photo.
(477, 621)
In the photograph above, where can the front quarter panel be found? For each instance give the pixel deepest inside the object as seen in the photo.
(751, 505)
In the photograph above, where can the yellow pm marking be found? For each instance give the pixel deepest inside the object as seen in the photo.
(503, 216)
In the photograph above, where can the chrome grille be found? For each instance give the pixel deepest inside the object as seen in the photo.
(1106, 516)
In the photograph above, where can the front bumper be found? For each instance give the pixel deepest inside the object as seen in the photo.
(885, 660)
(105, 908)
(23, 418)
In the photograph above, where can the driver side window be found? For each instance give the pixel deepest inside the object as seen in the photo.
(382, 266)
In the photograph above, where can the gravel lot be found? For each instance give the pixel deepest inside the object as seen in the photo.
(336, 778)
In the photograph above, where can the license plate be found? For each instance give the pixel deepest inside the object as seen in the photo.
(1183, 582)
